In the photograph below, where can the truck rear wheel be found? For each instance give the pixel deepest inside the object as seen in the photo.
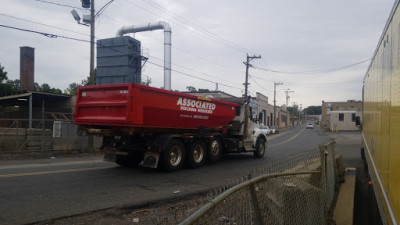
(196, 154)
(214, 150)
(173, 158)
(260, 148)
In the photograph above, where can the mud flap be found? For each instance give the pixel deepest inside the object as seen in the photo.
(150, 159)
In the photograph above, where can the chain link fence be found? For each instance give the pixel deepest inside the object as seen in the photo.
(36, 136)
(299, 189)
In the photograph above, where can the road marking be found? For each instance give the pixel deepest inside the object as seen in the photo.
(53, 172)
(49, 164)
(290, 139)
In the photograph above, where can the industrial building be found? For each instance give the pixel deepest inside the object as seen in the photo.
(341, 116)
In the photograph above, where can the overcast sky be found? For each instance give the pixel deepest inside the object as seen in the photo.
(318, 49)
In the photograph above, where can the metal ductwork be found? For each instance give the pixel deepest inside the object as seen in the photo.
(167, 44)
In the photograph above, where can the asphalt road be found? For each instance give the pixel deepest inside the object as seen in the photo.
(37, 190)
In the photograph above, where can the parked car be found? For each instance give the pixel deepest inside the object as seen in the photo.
(266, 129)
(310, 126)
(274, 129)
(261, 129)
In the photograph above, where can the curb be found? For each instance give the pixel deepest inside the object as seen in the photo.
(343, 213)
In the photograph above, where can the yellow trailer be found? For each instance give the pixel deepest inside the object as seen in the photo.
(381, 120)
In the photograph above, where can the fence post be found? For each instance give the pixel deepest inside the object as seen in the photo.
(323, 153)
(255, 203)
(42, 137)
(17, 147)
(330, 172)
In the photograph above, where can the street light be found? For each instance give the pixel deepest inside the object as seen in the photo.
(88, 20)
(78, 18)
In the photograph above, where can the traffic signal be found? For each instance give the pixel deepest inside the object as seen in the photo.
(85, 3)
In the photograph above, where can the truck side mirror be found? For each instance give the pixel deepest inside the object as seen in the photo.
(358, 121)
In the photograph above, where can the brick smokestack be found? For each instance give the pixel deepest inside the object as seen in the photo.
(27, 68)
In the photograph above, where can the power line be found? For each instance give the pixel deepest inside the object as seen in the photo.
(34, 22)
(198, 29)
(43, 33)
(103, 8)
(75, 39)
(49, 35)
(195, 26)
(314, 85)
(193, 76)
(328, 70)
(183, 67)
(173, 46)
(58, 4)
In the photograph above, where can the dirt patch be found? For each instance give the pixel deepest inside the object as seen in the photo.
(163, 213)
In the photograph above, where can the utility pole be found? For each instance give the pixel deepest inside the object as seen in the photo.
(275, 101)
(247, 63)
(287, 96)
(300, 113)
(91, 71)
(294, 112)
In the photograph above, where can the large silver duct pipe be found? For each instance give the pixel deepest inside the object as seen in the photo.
(167, 44)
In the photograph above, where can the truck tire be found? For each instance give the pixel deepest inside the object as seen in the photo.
(174, 157)
(261, 145)
(214, 149)
(196, 154)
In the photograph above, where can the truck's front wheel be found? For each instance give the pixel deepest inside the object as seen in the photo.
(173, 158)
(196, 154)
(260, 148)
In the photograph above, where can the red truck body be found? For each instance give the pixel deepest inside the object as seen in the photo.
(147, 126)
(134, 105)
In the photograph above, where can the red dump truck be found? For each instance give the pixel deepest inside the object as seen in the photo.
(154, 127)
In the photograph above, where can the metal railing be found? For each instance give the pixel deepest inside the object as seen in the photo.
(252, 186)
(300, 194)
(298, 189)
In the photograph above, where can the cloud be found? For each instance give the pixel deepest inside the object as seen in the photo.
(210, 41)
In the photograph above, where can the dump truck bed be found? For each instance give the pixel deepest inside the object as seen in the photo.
(134, 105)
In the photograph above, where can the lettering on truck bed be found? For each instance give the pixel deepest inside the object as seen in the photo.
(192, 105)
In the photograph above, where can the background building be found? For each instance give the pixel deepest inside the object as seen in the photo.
(341, 116)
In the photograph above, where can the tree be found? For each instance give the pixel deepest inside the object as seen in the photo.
(3, 74)
(13, 85)
(71, 90)
(45, 88)
(88, 81)
(203, 90)
(191, 88)
(313, 110)
(290, 109)
(4, 87)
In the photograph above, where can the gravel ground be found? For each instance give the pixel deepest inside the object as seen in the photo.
(164, 213)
